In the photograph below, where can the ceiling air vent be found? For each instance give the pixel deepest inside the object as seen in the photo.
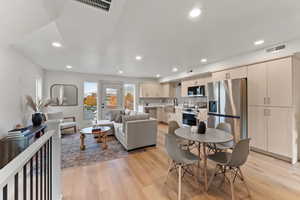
(102, 4)
(277, 48)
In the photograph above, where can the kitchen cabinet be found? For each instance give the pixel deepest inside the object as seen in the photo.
(167, 90)
(184, 88)
(162, 115)
(270, 129)
(280, 131)
(236, 73)
(280, 82)
(271, 106)
(257, 84)
(156, 90)
(257, 127)
(271, 83)
(149, 90)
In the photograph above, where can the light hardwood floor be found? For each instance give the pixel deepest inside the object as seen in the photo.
(141, 176)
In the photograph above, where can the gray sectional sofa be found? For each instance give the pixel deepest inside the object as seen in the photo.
(134, 131)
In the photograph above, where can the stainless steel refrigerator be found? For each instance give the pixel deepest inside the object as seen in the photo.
(228, 103)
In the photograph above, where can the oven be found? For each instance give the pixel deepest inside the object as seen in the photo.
(189, 119)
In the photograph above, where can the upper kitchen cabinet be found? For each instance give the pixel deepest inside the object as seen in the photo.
(151, 89)
(257, 84)
(271, 83)
(236, 73)
(280, 82)
(168, 90)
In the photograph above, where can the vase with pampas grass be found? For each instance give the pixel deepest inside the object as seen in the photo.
(37, 117)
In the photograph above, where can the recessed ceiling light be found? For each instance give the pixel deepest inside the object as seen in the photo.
(69, 67)
(138, 57)
(175, 69)
(259, 42)
(195, 12)
(203, 60)
(121, 72)
(56, 44)
(157, 75)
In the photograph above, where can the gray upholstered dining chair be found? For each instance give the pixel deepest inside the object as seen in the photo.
(180, 159)
(173, 126)
(226, 145)
(231, 163)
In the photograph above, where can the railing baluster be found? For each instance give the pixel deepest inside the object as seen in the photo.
(16, 186)
(31, 179)
(25, 182)
(41, 172)
(37, 176)
(5, 193)
(50, 168)
(48, 154)
(45, 171)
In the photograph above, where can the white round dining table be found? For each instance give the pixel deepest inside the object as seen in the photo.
(212, 136)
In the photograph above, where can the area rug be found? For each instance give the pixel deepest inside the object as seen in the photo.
(72, 156)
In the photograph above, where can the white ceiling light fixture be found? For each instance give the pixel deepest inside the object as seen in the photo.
(157, 75)
(259, 42)
(204, 60)
(195, 12)
(121, 71)
(175, 69)
(56, 44)
(138, 57)
(69, 67)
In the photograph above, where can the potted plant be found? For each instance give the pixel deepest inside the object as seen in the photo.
(37, 117)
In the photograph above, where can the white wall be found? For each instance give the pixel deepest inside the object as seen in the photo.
(17, 79)
(64, 77)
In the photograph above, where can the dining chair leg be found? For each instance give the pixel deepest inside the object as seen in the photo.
(244, 181)
(232, 186)
(179, 182)
(168, 173)
(199, 154)
(205, 166)
(195, 173)
(213, 176)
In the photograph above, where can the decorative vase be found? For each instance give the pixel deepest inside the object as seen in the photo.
(37, 119)
(202, 128)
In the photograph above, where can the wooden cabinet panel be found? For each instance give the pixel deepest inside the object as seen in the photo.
(184, 88)
(218, 76)
(257, 84)
(280, 82)
(280, 131)
(236, 73)
(257, 127)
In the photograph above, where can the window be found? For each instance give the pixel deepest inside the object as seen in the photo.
(90, 101)
(129, 96)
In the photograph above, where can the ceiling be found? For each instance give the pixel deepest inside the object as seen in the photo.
(95, 41)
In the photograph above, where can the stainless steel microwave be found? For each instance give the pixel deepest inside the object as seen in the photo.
(196, 91)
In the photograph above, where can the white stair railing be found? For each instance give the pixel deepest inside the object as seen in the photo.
(35, 173)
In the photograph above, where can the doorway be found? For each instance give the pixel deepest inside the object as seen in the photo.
(111, 97)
